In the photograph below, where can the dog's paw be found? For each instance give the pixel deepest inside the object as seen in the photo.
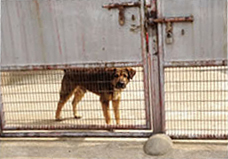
(77, 117)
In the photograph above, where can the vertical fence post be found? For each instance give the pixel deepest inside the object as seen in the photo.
(157, 104)
(161, 67)
(156, 74)
(1, 112)
(1, 106)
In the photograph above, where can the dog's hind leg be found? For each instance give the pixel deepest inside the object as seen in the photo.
(78, 95)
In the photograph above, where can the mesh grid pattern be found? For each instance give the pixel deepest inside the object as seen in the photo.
(30, 100)
(196, 101)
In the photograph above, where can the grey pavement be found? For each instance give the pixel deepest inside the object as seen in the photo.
(105, 148)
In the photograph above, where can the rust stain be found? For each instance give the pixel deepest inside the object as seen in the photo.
(171, 19)
(40, 28)
(121, 16)
(195, 63)
(83, 40)
(59, 41)
(23, 29)
(123, 4)
(83, 43)
(18, 12)
(121, 7)
(56, 30)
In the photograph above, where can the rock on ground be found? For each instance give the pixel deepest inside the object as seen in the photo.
(158, 144)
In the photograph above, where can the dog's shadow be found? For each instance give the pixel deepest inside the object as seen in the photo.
(50, 123)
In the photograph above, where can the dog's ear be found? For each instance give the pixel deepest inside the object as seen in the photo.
(111, 72)
(131, 72)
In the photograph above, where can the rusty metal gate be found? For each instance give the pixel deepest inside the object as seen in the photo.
(192, 56)
(178, 49)
(40, 38)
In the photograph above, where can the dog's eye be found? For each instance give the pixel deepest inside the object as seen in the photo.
(125, 75)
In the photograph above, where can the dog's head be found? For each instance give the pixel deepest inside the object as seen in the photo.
(121, 77)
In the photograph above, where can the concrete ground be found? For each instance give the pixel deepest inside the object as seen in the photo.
(105, 148)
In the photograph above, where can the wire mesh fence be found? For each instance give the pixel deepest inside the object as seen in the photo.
(196, 101)
(30, 101)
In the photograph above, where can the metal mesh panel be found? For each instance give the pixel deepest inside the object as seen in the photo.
(196, 101)
(30, 100)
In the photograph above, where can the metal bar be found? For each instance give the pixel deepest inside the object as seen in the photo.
(123, 119)
(25, 93)
(71, 66)
(198, 110)
(195, 63)
(155, 96)
(189, 101)
(124, 4)
(43, 83)
(200, 136)
(2, 119)
(81, 127)
(78, 134)
(194, 120)
(196, 81)
(52, 101)
(1, 103)
(145, 68)
(200, 69)
(173, 19)
(198, 91)
(108, 134)
(154, 75)
(66, 110)
(161, 107)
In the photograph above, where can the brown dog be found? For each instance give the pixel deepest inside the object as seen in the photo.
(105, 82)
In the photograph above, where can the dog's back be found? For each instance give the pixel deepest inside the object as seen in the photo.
(96, 80)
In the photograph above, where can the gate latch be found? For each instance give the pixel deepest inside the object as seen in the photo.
(169, 33)
(121, 7)
(169, 24)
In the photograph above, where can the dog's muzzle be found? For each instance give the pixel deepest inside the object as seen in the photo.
(120, 85)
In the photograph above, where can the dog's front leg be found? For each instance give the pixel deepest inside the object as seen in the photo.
(106, 111)
(115, 105)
